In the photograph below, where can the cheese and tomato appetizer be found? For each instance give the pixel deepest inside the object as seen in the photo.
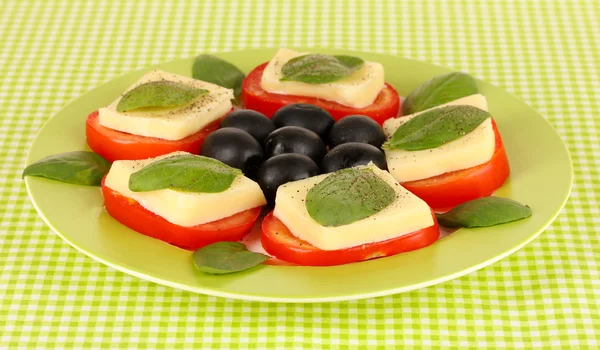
(188, 220)
(347, 216)
(470, 167)
(363, 91)
(149, 132)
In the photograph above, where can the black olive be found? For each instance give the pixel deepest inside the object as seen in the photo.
(352, 154)
(282, 169)
(252, 122)
(356, 128)
(294, 139)
(306, 116)
(235, 148)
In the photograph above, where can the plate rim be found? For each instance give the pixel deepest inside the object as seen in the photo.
(256, 297)
(265, 298)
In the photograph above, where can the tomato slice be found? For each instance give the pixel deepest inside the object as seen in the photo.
(116, 145)
(131, 214)
(443, 192)
(278, 241)
(386, 105)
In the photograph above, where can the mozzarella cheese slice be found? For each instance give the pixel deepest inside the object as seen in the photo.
(406, 214)
(183, 208)
(358, 90)
(170, 123)
(475, 148)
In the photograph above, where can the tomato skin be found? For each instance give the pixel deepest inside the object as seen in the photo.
(386, 106)
(444, 192)
(278, 241)
(116, 145)
(131, 214)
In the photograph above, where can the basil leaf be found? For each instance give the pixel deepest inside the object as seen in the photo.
(186, 173)
(439, 90)
(436, 127)
(347, 196)
(320, 69)
(214, 70)
(160, 93)
(226, 257)
(483, 212)
(79, 168)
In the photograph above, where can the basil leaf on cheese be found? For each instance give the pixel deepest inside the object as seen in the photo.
(320, 69)
(226, 257)
(79, 168)
(215, 70)
(439, 90)
(161, 93)
(436, 127)
(347, 196)
(186, 173)
(483, 212)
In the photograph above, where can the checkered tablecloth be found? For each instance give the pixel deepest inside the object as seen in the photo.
(545, 295)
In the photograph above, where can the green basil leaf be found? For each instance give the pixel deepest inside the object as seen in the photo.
(347, 196)
(436, 127)
(160, 93)
(483, 212)
(439, 90)
(186, 173)
(226, 257)
(214, 70)
(79, 168)
(320, 69)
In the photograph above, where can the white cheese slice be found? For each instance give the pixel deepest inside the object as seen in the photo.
(406, 214)
(475, 148)
(170, 123)
(477, 100)
(181, 208)
(358, 90)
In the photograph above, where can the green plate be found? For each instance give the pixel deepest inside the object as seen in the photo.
(541, 176)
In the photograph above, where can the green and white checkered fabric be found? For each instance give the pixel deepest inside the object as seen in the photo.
(545, 295)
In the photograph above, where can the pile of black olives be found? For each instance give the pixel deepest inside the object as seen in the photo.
(300, 141)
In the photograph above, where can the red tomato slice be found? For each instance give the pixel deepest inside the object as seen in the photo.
(116, 145)
(386, 105)
(444, 192)
(278, 241)
(131, 214)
